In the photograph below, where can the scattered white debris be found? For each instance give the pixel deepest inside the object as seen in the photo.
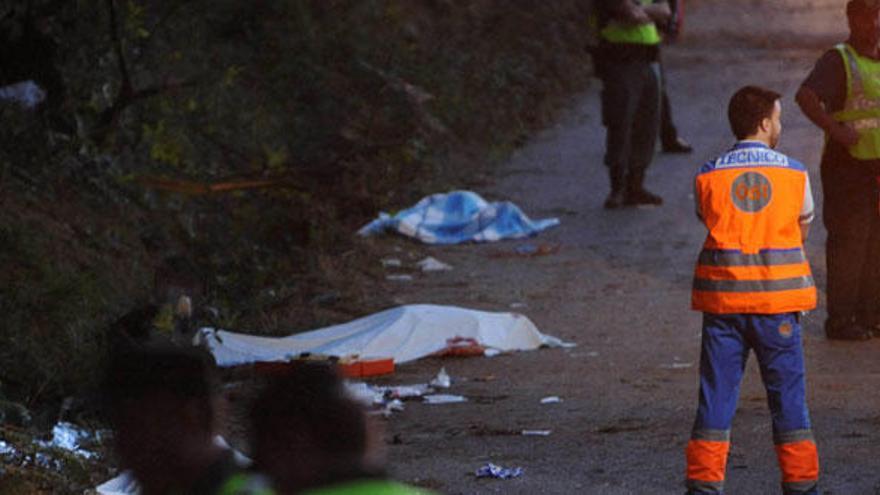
(492, 471)
(443, 399)
(406, 391)
(391, 262)
(399, 278)
(363, 393)
(68, 437)
(518, 305)
(442, 380)
(393, 406)
(676, 366)
(26, 93)
(536, 433)
(390, 397)
(431, 264)
(553, 399)
(46, 461)
(6, 449)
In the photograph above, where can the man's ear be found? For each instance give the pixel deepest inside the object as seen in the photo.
(766, 124)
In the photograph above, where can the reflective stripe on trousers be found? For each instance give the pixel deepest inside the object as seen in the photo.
(726, 342)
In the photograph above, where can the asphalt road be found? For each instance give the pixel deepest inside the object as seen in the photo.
(619, 287)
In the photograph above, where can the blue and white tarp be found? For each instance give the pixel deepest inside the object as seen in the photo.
(459, 216)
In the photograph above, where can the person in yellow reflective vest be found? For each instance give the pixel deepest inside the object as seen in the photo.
(626, 60)
(842, 97)
(751, 282)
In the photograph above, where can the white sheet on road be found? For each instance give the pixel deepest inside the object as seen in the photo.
(404, 333)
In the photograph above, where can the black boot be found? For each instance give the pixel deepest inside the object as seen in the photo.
(617, 195)
(636, 194)
(676, 145)
(615, 199)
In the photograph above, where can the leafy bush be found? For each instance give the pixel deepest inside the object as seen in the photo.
(250, 139)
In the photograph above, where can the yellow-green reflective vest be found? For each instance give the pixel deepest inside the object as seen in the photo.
(862, 108)
(642, 34)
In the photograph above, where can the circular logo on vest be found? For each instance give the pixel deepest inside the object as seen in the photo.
(751, 192)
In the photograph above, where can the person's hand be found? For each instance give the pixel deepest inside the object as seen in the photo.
(658, 12)
(843, 134)
(637, 15)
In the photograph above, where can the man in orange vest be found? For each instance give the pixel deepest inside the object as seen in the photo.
(752, 280)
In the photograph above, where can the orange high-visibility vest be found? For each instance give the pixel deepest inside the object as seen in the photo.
(753, 259)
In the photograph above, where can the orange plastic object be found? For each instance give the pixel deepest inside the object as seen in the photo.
(367, 367)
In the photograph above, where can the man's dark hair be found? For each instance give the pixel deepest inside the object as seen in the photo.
(139, 372)
(860, 7)
(748, 107)
(309, 409)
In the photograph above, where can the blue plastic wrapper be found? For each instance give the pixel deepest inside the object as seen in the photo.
(492, 471)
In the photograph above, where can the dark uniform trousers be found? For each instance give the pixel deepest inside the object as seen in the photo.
(631, 114)
(852, 217)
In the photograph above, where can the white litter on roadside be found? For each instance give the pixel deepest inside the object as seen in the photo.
(442, 379)
(370, 395)
(69, 437)
(6, 449)
(363, 393)
(443, 399)
(391, 262)
(27, 93)
(431, 264)
(553, 399)
(399, 278)
(537, 433)
(493, 471)
(676, 366)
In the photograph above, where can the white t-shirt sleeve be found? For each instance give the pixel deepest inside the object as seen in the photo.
(808, 208)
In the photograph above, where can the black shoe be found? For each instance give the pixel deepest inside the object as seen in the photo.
(642, 196)
(614, 201)
(871, 325)
(853, 331)
(678, 145)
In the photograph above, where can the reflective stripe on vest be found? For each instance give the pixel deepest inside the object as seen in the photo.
(862, 107)
(753, 259)
(642, 34)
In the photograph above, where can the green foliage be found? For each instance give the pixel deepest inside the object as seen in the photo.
(343, 108)
(48, 343)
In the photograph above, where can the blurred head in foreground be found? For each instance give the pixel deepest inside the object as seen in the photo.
(307, 432)
(159, 402)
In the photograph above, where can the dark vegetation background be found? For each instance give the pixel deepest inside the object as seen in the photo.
(231, 149)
